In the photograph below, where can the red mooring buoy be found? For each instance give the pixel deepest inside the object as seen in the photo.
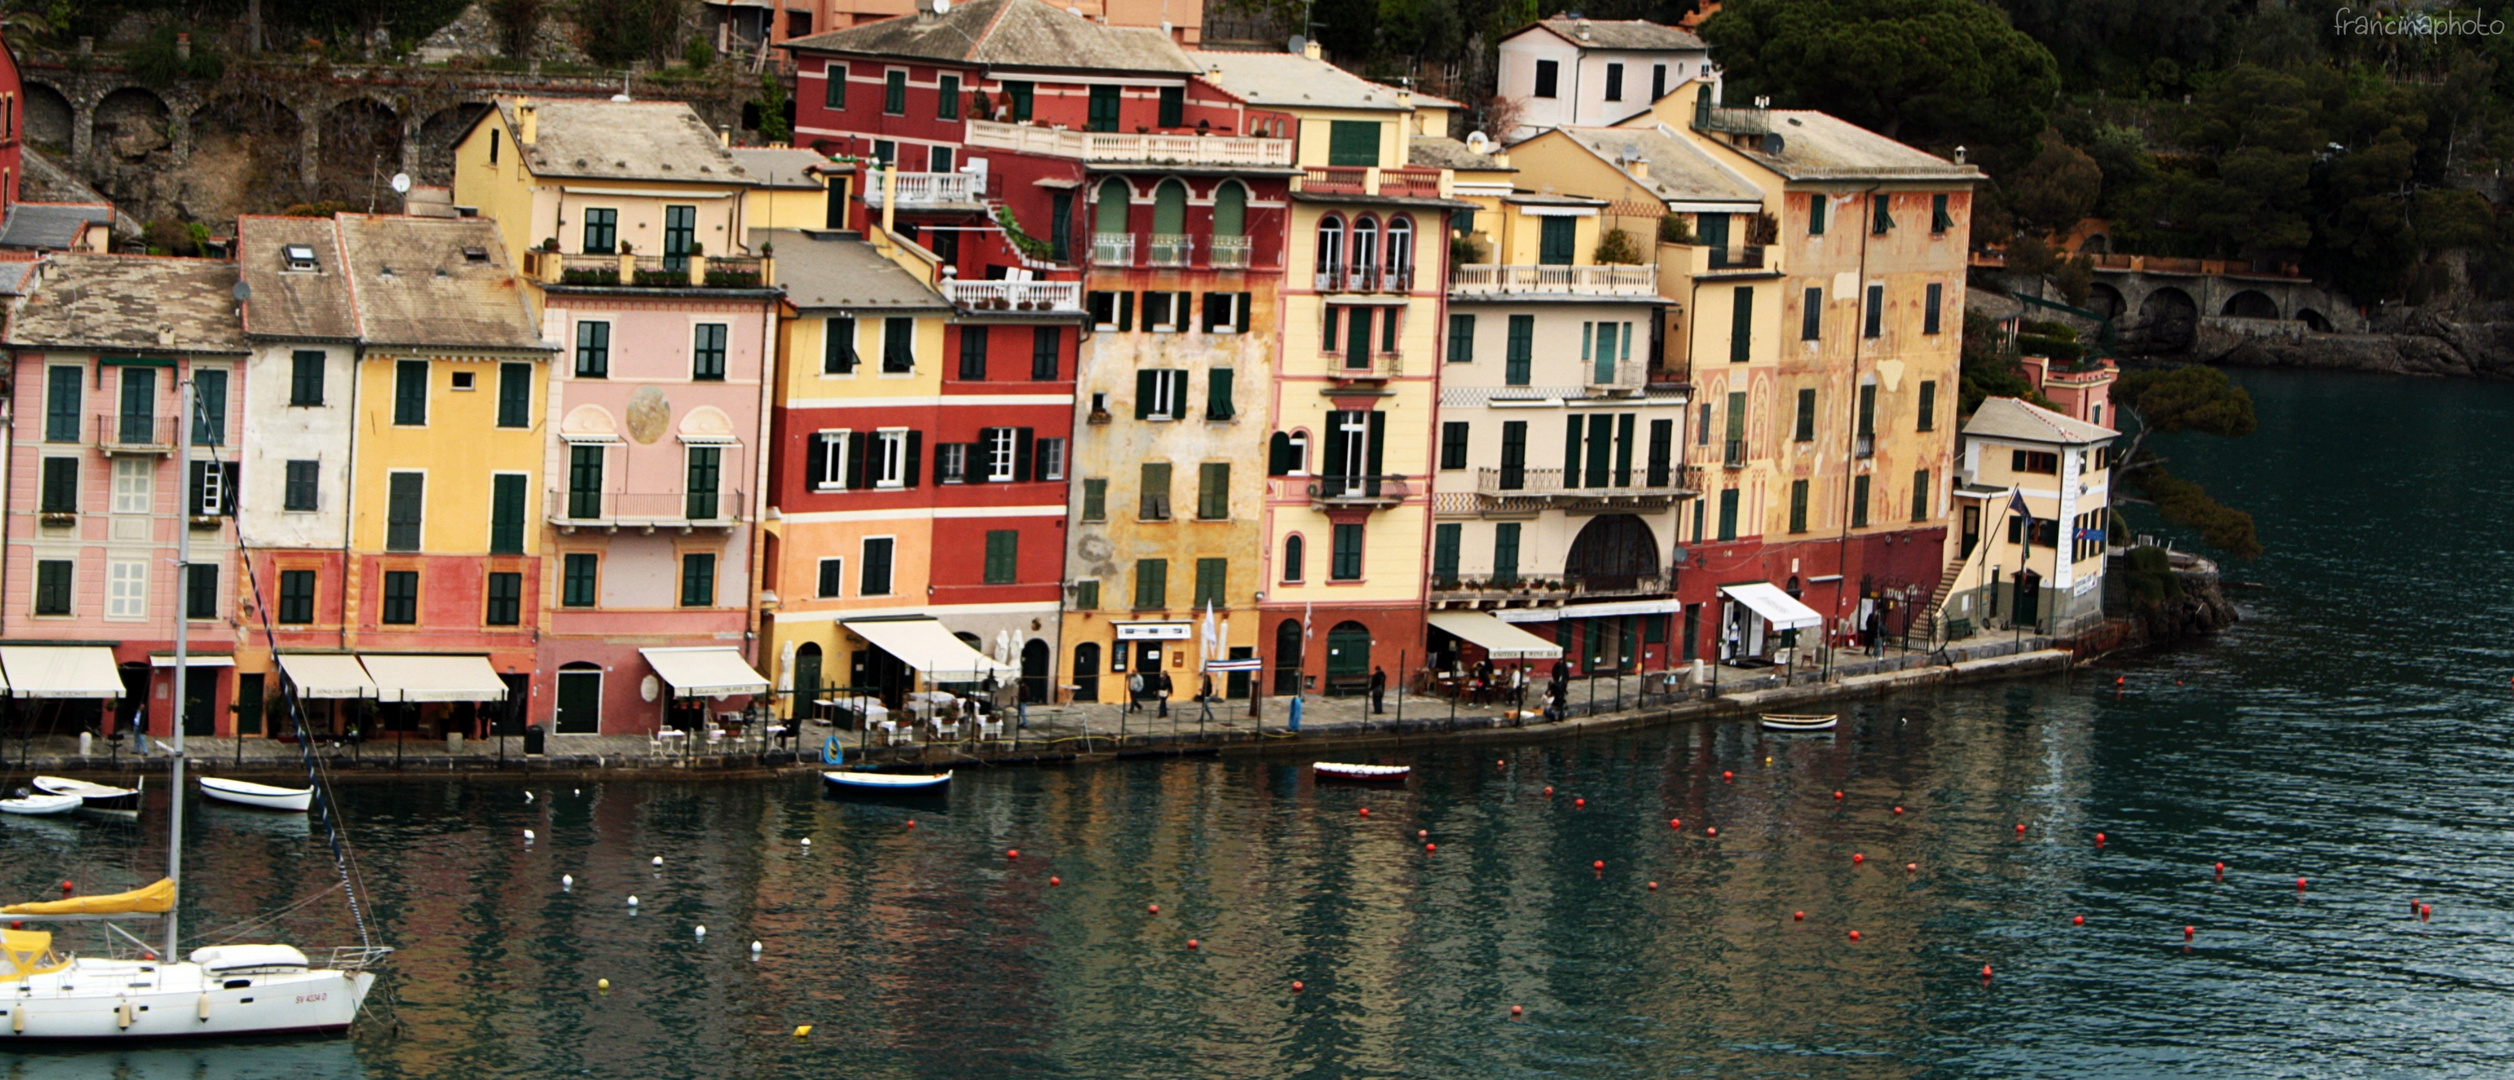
(1366, 811)
(2221, 871)
(1429, 848)
(1297, 987)
(1549, 791)
(2187, 932)
(2099, 839)
(1578, 803)
(1675, 823)
(1898, 811)
(1854, 935)
(1837, 796)
(1152, 909)
(2425, 910)
(1192, 943)
(1727, 776)
(1654, 886)
(2300, 884)
(2020, 828)
(2078, 921)
(1985, 973)
(1055, 881)
(1012, 853)
(1599, 865)
(1911, 868)
(1712, 831)
(1798, 916)
(1857, 858)
(1516, 1010)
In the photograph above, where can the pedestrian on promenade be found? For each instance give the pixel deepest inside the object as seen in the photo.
(1135, 692)
(1378, 690)
(1876, 633)
(1162, 689)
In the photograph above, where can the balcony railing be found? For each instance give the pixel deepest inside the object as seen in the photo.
(1344, 492)
(135, 433)
(1113, 249)
(645, 271)
(1364, 279)
(586, 269)
(1110, 146)
(1231, 252)
(1169, 249)
(1371, 366)
(646, 509)
(1710, 117)
(1406, 182)
(1606, 280)
(1014, 295)
(1548, 484)
(923, 188)
(1580, 585)
(1620, 376)
(1749, 257)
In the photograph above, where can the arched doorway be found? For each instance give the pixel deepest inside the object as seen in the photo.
(1087, 671)
(580, 699)
(1348, 656)
(1034, 670)
(2250, 304)
(1614, 553)
(2105, 300)
(2313, 320)
(2169, 321)
(1287, 658)
(807, 681)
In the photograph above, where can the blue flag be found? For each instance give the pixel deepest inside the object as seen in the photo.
(2016, 503)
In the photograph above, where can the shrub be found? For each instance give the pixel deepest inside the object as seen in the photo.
(1673, 230)
(1618, 246)
(1463, 250)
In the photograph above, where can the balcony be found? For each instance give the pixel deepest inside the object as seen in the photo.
(1231, 253)
(136, 433)
(1345, 492)
(1621, 377)
(923, 188)
(1408, 182)
(601, 271)
(1372, 279)
(1749, 257)
(1486, 279)
(1730, 121)
(1113, 249)
(1733, 454)
(1373, 367)
(1169, 249)
(645, 511)
(1606, 585)
(997, 295)
(1483, 591)
(1118, 148)
(1525, 490)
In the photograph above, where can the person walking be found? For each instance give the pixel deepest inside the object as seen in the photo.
(1378, 690)
(1876, 633)
(1161, 689)
(1135, 692)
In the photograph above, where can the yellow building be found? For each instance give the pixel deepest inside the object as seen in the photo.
(2033, 514)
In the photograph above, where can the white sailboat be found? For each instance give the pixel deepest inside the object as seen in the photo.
(218, 990)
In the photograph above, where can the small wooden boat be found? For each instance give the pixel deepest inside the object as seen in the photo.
(259, 795)
(93, 796)
(36, 802)
(1799, 721)
(890, 783)
(1337, 770)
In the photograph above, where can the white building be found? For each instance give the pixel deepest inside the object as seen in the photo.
(2054, 469)
(1595, 72)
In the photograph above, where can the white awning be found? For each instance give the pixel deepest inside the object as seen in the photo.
(61, 671)
(923, 644)
(705, 672)
(327, 676)
(1781, 609)
(419, 677)
(1500, 640)
(167, 660)
(1590, 611)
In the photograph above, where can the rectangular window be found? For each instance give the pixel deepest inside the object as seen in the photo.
(1811, 316)
(1154, 500)
(698, 579)
(1095, 499)
(874, 578)
(212, 489)
(1662, 460)
(401, 597)
(53, 586)
(1614, 82)
(1353, 142)
(515, 395)
(1518, 361)
(946, 100)
(602, 232)
(1461, 339)
(1548, 77)
(1347, 564)
(705, 481)
(1874, 317)
(1734, 451)
(1920, 495)
(1087, 595)
(838, 346)
(506, 514)
(1160, 394)
(1218, 404)
(410, 392)
(1867, 423)
(1164, 312)
(1939, 220)
(506, 599)
(1213, 578)
(209, 407)
(1859, 502)
(1741, 325)
(1213, 491)
(1506, 552)
(305, 377)
(1514, 455)
(200, 591)
(1798, 506)
(1173, 107)
(951, 463)
(579, 580)
(894, 463)
(833, 579)
(1928, 405)
(707, 352)
(1105, 103)
(61, 485)
(1880, 213)
(584, 482)
(834, 87)
(405, 496)
(2034, 461)
(1020, 93)
(1051, 455)
(1658, 81)
(1806, 415)
(1046, 345)
(593, 349)
(1111, 310)
(1445, 541)
(1453, 444)
(1003, 556)
(303, 488)
(63, 393)
(1152, 584)
(1728, 514)
(139, 404)
(1557, 241)
(973, 353)
(1819, 206)
(899, 346)
(895, 92)
(1934, 298)
(296, 597)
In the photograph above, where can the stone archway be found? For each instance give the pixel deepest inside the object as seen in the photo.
(1613, 552)
(132, 123)
(2105, 300)
(2169, 321)
(51, 123)
(358, 149)
(2250, 304)
(2314, 320)
(255, 141)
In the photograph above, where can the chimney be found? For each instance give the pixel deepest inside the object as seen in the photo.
(724, 135)
(1405, 99)
(1310, 50)
(1640, 168)
(527, 122)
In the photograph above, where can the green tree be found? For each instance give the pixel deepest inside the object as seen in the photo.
(618, 33)
(2191, 398)
(2057, 188)
(1944, 69)
(771, 104)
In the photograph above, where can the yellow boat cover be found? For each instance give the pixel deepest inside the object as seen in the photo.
(29, 953)
(153, 900)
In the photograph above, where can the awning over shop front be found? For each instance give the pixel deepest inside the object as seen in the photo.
(1780, 609)
(167, 660)
(1500, 640)
(1590, 611)
(420, 677)
(326, 676)
(61, 671)
(923, 644)
(705, 672)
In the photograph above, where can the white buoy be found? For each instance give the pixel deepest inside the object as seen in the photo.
(807, 841)
(528, 796)
(528, 836)
(702, 933)
(755, 948)
(576, 791)
(632, 900)
(567, 882)
(659, 860)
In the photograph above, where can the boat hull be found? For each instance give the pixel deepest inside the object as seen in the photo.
(177, 1002)
(262, 796)
(887, 783)
(94, 796)
(40, 804)
(1780, 722)
(1362, 774)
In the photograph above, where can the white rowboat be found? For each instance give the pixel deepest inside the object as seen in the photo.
(261, 795)
(1336, 770)
(895, 782)
(95, 796)
(40, 803)
(1799, 722)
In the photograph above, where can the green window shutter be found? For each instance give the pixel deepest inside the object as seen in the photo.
(209, 411)
(1003, 551)
(1506, 551)
(1928, 405)
(1798, 506)
(1169, 208)
(1154, 500)
(1514, 455)
(577, 583)
(1939, 220)
(584, 482)
(1874, 317)
(1213, 578)
(410, 392)
(1087, 595)
(947, 97)
(1353, 142)
(1230, 209)
(1218, 395)
(515, 395)
(1152, 584)
(1868, 409)
(1920, 495)
(1859, 502)
(1105, 104)
(1741, 325)
(1661, 469)
(895, 92)
(1818, 206)
(1936, 298)
(1728, 514)
(405, 498)
(1601, 449)
(1461, 339)
(1571, 450)
(1811, 316)
(1445, 539)
(60, 492)
(1020, 93)
(834, 86)
(1095, 500)
(1173, 107)
(706, 472)
(1623, 449)
(305, 378)
(1806, 415)
(506, 514)
(1213, 490)
(1881, 213)
(64, 391)
(1555, 243)
(1144, 392)
(1372, 454)
(1517, 363)
(698, 579)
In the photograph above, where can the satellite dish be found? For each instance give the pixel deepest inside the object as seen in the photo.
(401, 183)
(1298, 45)
(242, 292)
(941, 6)
(1630, 154)
(1478, 141)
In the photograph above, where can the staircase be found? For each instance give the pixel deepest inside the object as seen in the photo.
(1929, 621)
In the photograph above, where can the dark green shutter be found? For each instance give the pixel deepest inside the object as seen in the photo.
(1662, 449)
(1353, 142)
(1798, 506)
(1571, 450)
(506, 514)
(1601, 450)
(1145, 388)
(1623, 450)
(1514, 454)
(1445, 551)
(1213, 490)
(1741, 325)
(1218, 395)
(1506, 551)
(1516, 365)
(515, 395)
(1378, 442)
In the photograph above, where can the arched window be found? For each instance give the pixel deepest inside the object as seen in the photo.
(1279, 454)
(1401, 253)
(1365, 251)
(1293, 552)
(1169, 224)
(1330, 252)
(1111, 243)
(1230, 209)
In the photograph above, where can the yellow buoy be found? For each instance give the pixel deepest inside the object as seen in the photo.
(803, 1031)
(603, 985)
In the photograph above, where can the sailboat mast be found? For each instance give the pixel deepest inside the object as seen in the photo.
(183, 645)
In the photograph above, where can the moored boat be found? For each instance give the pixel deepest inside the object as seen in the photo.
(93, 796)
(892, 783)
(37, 802)
(1800, 721)
(243, 793)
(1338, 770)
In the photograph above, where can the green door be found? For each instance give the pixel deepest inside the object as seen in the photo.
(807, 680)
(1104, 108)
(249, 704)
(1554, 242)
(200, 698)
(680, 233)
(580, 702)
(1348, 655)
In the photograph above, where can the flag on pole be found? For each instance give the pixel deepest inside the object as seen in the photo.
(2016, 504)
(1307, 609)
(1212, 639)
